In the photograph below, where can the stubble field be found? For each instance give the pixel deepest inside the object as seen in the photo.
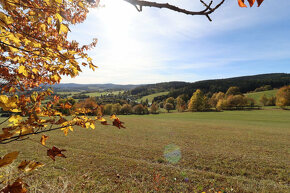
(231, 151)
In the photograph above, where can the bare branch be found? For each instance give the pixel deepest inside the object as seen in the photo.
(206, 12)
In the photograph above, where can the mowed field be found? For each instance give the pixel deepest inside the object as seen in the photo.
(231, 151)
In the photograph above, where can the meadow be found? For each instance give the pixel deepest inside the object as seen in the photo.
(230, 151)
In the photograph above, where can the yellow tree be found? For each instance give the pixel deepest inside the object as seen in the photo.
(283, 97)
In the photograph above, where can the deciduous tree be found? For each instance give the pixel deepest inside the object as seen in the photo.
(283, 97)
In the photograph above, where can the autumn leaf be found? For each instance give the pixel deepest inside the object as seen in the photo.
(55, 152)
(118, 123)
(259, 2)
(104, 123)
(8, 158)
(242, 3)
(17, 187)
(251, 2)
(14, 119)
(61, 121)
(113, 117)
(28, 166)
(43, 139)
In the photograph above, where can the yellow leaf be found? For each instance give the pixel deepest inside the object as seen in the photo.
(34, 70)
(43, 139)
(88, 124)
(47, 2)
(3, 99)
(8, 158)
(49, 20)
(58, 1)
(63, 28)
(80, 4)
(93, 126)
(28, 166)
(59, 17)
(14, 119)
(22, 70)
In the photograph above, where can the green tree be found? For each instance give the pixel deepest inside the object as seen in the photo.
(108, 109)
(263, 99)
(116, 109)
(126, 109)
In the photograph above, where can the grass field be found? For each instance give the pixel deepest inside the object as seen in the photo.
(151, 96)
(257, 95)
(91, 94)
(231, 151)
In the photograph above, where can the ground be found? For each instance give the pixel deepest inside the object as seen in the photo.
(232, 151)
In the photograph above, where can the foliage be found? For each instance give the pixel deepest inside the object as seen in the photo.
(154, 108)
(216, 97)
(180, 104)
(138, 109)
(245, 83)
(126, 109)
(170, 100)
(263, 99)
(168, 107)
(198, 102)
(233, 90)
(283, 97)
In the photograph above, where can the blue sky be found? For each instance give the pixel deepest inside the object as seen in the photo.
(161, 45)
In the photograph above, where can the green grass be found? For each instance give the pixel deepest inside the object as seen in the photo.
(257, 95)
(151, 96)
(232, 151)
(94, 94)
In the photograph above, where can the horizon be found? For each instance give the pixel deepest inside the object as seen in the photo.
(178, 80)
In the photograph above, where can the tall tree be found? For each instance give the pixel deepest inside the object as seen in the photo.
(198, 102)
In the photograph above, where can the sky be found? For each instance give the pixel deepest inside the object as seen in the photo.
(158, 45)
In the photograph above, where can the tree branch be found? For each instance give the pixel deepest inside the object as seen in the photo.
(206, 12)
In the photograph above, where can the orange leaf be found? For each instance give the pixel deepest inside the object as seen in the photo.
(8, 158)
(242, 3)
(16, 187)
(54, 151)
(43, 139)
(251, 2)
(104, 123)
(118, 123)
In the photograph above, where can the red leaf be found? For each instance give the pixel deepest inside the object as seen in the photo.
(251, 2)
(259, 2)
(118, 123)
(54, 151)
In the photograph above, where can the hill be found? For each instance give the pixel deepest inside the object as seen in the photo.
(245, 83)
(257, 95)
(71, 87)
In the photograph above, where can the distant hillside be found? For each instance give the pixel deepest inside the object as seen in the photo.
(158, 87)
(245, 83)
(257, 95)
(70, 87)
